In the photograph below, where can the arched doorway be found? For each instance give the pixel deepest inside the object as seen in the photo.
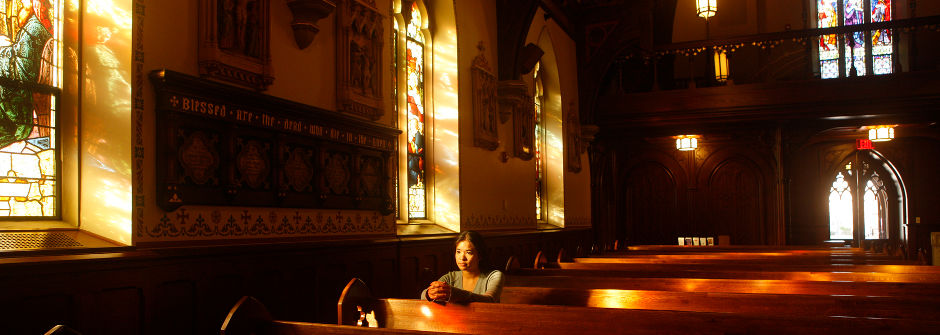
(867, 201)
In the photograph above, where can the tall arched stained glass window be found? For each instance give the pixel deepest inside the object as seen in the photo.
(874, 204)
(417, 154)
(859, 50)
(394, 76)
(30, 86)
(539, 145)
(840, 209)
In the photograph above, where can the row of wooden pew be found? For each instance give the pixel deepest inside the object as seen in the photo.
(686, 290)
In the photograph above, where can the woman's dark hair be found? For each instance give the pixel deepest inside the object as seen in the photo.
(478, 243)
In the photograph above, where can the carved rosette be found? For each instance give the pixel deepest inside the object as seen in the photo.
(251, 164)
(198, 158)
(359, 43)
(370, 176)
(234, 42)
(297, 171)
(485, 104)
(336, 173)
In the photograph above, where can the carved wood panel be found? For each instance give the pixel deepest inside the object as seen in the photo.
(573, 140)
(234, 42)
(359, 42)
(227, 146)
(651, 205)
(735, 202)
(485, 104)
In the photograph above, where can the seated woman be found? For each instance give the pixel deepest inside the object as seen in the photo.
(476, 280)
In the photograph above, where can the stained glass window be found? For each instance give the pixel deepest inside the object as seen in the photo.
(881, 43)
(395, 105)
(828, 47)
(30, 83)
(840, 209)
(874, 208)
(414, 58)
(855, 46)
(539, 146)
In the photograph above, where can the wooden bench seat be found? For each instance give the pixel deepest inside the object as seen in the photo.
(698, 248)
(908, 307)
(521, 319)
(672, 271)
(747, 258)
(887, 289)
(250, 317)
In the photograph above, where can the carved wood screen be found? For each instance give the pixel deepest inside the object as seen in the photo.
(359, 44)
(234, 42)
(485, 104)
(220, 145)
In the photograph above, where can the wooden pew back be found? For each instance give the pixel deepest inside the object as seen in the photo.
(520, 319)
(918, 308)
(250, 317)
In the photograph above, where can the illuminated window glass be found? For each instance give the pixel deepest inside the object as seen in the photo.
(395, 94)
(30, 86)
(881, 42)
(828, 47)
(854, 42)
(539, 146)
(840, 209)
(874, 209)
(855, 45)
(414, 71)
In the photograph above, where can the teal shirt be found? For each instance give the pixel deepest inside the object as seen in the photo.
(487, 289)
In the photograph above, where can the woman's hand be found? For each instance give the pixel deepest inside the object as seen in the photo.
(439, 291)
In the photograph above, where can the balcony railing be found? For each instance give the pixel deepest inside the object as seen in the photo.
(778, 56)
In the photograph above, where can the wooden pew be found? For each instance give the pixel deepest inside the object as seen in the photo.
(884, 289)
(749, 258)
(696, 248)
(798, 305)
(521, 319)
(737, 272)
(250, 317)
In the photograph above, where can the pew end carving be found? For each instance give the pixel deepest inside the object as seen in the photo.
(248, 316)
(355, 304)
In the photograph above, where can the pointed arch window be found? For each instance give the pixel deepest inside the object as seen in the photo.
(30, 90)
(860, 50)
(875, 205)
(539, 100)
(840, 209)
(410, 72)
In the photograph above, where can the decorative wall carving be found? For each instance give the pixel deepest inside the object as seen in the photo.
(359, 41)
(573, 140)
(485, 104)
(515, 100)
(523, 129)
(234, 38)
(306, 13)
(495, 222)
(512, 94)
(219, 145)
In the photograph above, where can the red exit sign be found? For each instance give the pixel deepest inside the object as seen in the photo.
(863, 144)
